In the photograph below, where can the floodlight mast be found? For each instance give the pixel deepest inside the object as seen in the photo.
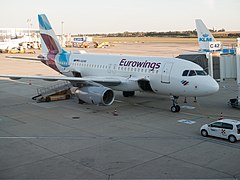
(238, 66)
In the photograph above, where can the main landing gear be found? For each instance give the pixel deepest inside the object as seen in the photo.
(175, 107)
(128, 93)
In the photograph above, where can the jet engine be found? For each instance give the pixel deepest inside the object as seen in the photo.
(98, 95)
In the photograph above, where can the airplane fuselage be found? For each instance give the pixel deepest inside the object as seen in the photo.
(140, 73)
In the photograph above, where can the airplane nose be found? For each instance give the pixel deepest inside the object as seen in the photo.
(213, 87)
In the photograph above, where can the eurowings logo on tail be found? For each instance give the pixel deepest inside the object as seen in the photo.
(53, 48)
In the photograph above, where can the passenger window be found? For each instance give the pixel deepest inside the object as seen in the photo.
(216, 124)
(192, 73)
(185, 73)
(227, 126)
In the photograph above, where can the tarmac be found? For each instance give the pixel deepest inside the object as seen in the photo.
(66, 140)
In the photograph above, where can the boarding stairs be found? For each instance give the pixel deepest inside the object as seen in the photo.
(59, 88)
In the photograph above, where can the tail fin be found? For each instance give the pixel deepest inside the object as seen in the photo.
(204, 35)
(49, 41)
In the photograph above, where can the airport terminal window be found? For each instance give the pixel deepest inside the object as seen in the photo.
(185, 73)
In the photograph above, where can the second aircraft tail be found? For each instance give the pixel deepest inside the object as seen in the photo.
(204, 35)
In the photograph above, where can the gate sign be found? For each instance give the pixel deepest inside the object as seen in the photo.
(214, 46)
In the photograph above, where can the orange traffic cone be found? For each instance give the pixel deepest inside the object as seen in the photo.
(115, 112)
(221, 117)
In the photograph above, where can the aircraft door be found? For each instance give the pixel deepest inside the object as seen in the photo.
(166, 73)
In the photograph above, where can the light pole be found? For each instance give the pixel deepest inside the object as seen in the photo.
(62, 27)
(29, 22)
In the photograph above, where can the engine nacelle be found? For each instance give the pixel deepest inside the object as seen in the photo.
(98, 95)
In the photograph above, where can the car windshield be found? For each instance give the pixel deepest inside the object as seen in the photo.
(238, 128)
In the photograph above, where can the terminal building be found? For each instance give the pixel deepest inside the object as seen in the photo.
(9, 33)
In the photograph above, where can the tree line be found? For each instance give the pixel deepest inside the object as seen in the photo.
(186, 34)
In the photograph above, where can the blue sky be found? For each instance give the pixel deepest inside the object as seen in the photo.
(106, 16)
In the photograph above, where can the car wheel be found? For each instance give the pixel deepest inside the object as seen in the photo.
(232, 139)
(204, 133)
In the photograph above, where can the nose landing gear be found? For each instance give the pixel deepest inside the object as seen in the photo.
(175, 107)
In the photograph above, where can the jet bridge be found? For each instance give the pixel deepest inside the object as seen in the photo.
(235, 102)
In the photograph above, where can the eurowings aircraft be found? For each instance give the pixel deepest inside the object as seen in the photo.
(96, 76)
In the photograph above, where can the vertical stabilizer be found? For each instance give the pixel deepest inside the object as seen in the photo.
(204, 35)
(49, 41)
(57, 58)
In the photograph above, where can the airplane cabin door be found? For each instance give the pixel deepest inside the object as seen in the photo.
(166, 73)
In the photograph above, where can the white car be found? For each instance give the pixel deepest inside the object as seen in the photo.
(225, 128)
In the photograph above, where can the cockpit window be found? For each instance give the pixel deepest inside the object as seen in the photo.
(185, 73)
(201, 73)
(192, 73)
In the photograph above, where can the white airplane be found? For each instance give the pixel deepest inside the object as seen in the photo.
(8, 45)
(96, 76)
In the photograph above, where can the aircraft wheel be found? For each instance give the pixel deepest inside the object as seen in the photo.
(128, 93)
(178, 108)
(173, 109)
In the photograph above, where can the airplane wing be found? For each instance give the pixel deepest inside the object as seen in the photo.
(39, 58)
(101, 80)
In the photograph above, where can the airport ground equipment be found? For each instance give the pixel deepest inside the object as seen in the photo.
(234, 103)
(60, 91)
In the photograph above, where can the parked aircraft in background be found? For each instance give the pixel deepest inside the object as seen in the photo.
(96, 76)
(207, 42)
(10, 44)
(24, 42)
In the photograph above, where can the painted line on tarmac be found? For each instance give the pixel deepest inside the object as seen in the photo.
(48, 137)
